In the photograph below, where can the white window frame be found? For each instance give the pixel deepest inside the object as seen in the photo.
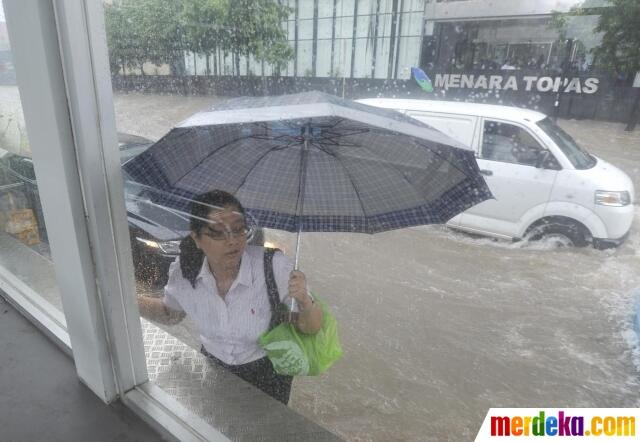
(61, 59)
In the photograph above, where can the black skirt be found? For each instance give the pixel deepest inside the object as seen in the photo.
(259, 373)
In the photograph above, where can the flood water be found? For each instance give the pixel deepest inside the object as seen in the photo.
(437, 326)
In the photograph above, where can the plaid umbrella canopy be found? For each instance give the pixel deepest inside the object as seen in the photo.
(314, 162)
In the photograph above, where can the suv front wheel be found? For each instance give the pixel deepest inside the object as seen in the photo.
(560, 232)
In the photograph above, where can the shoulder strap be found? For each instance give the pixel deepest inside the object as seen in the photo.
(272, 288)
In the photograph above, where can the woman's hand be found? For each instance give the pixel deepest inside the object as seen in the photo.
(298, 289)
(310, 316)
(156, 310)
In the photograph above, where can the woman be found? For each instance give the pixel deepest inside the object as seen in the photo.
(219, 282)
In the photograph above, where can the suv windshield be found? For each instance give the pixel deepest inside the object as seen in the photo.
(580, 158)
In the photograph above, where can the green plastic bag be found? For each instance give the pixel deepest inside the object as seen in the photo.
(295, 354)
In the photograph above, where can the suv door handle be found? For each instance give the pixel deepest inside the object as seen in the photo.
(486, 172)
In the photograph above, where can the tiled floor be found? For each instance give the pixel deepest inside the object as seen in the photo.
(42, 398)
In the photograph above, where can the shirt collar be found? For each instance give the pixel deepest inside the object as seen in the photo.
(244, 274)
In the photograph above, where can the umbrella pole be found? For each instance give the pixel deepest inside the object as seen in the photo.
(300, 206)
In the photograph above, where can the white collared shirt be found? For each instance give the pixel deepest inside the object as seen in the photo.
(229, 328)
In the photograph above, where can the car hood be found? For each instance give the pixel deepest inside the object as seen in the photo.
(606, 176)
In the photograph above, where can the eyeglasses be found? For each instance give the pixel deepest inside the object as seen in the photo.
(219, 235)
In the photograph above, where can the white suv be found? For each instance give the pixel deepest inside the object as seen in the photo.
(544, 183)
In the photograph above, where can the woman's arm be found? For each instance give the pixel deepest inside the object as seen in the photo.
(166, 309)
(155, 309)
(310, 316)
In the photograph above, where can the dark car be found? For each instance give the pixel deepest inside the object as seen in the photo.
(155, 231)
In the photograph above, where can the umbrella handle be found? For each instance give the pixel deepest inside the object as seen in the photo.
(293, 305)
(295, 265)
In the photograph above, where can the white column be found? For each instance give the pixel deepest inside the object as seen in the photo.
(71, 129)
(85, 64)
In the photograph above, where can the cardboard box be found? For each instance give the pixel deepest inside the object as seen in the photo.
(29, 237)
(22, 224)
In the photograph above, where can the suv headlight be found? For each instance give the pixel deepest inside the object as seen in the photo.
(611, 198)
(166, 247)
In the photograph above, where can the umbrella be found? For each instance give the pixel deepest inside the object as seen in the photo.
(314, 162)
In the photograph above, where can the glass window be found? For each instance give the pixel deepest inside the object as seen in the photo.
(325, 9)
(412, 24)
(386, 6)
(344, 27)
(291, 30)
(384, 25)
(290, 68)
(305, 9)
(382, 58)
(24, 246)
(324, 58)
(342, 58)
(366, 7)
(413, 5)
(304, 60)
(424, 332)
(578, 156)
(305, 29)
(325, 28)
(362, 66)
(510, 144)
(365, 27)
(408, 55)
(344, 8)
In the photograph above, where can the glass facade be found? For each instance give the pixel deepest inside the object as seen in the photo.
(534, 44)
(345, 39)
(407, 348)
(24, 248)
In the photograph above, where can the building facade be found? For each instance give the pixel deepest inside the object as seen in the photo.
(383, 39)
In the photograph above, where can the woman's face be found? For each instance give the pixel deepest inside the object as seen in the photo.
(224, 239)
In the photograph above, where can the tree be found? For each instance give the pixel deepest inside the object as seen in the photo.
(203, 25)
(122, 40)
(277, 55)
(620, 47)
(254, 27)
(159, 30)
(145, 30)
